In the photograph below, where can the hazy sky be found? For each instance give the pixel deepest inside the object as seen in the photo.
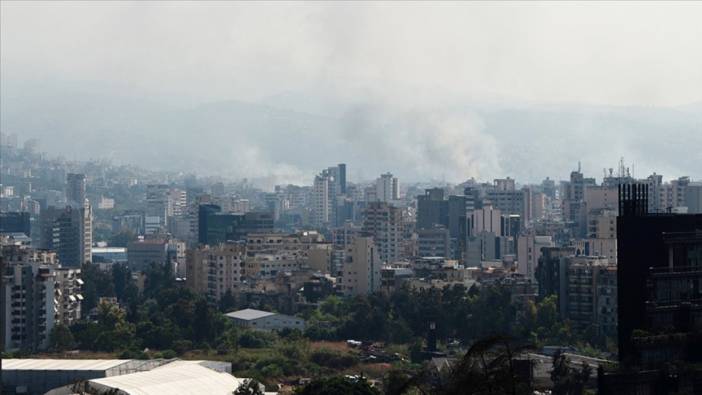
(403, 55)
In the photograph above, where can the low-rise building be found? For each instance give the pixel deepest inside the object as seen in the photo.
(265, 320)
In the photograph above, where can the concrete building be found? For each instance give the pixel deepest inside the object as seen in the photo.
(393, 277)
(598, 198)
(308, 249)
(105, 203)
(529, 251)
(109, 255)
(504, 184)
(602, 224)
(434, 242)
(387, 188)
(37, 294)
(383, 222)
(269, 266)
(158, 205)
(589, 298)
(214, 270)
(693, 198)
(130, 221)
(486, 219)
(361, 272)
(264, 320)
(321, 204)
(142, 253)
(69, 298)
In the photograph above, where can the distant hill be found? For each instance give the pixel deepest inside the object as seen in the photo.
(291, 139)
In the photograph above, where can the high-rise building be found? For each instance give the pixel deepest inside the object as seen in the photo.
(589, 298)
(158, 205)
(434, 242)
(76, 189)
(215, 270)
(693, 198)
(321, 204)
(342, 178)
(550, 272)
(387, 188)
(215, 227)
(383, 222)
(486, 219)
(361, 270)
(67, 231)
(76, 186)
(529, 250)
(658, 281)
(37, 294)
(432, 209)
(505, 184)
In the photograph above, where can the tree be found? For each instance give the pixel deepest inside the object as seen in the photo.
(228, 302)
(338, 386)
(249, 387)
(115, 332)
(122, 238)
(61, 338)
(567, 380)
(97, 283)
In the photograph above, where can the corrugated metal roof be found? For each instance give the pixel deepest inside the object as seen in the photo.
(249, 314)
(61, 364)
(179, 377)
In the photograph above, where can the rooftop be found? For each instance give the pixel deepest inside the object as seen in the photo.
(62, 364)
(249, 314)
(179, 377)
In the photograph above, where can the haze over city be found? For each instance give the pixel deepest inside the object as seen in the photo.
(350, 198)
(243, 90)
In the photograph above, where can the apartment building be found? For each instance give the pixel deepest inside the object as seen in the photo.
(361, 272)
(214, 270)
(37, 294)
(383, 222)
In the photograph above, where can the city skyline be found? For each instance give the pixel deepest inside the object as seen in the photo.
(477, 91)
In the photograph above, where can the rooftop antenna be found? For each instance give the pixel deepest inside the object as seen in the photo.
(621, 167)
(578, 166)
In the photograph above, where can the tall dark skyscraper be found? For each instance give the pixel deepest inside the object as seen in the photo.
(75, 190)
(659, 281)
(342, 177)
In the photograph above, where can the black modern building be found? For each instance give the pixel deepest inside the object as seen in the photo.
(216, 227)
(659, 258)
(15, 222)
(433, 210)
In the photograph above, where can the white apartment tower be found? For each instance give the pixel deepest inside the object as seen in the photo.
(361, 271)
(387, 188)
(383, 222)
(321, 203)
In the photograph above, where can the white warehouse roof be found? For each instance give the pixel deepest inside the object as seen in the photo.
(249, 314)
(178, 377)
(61, 364)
